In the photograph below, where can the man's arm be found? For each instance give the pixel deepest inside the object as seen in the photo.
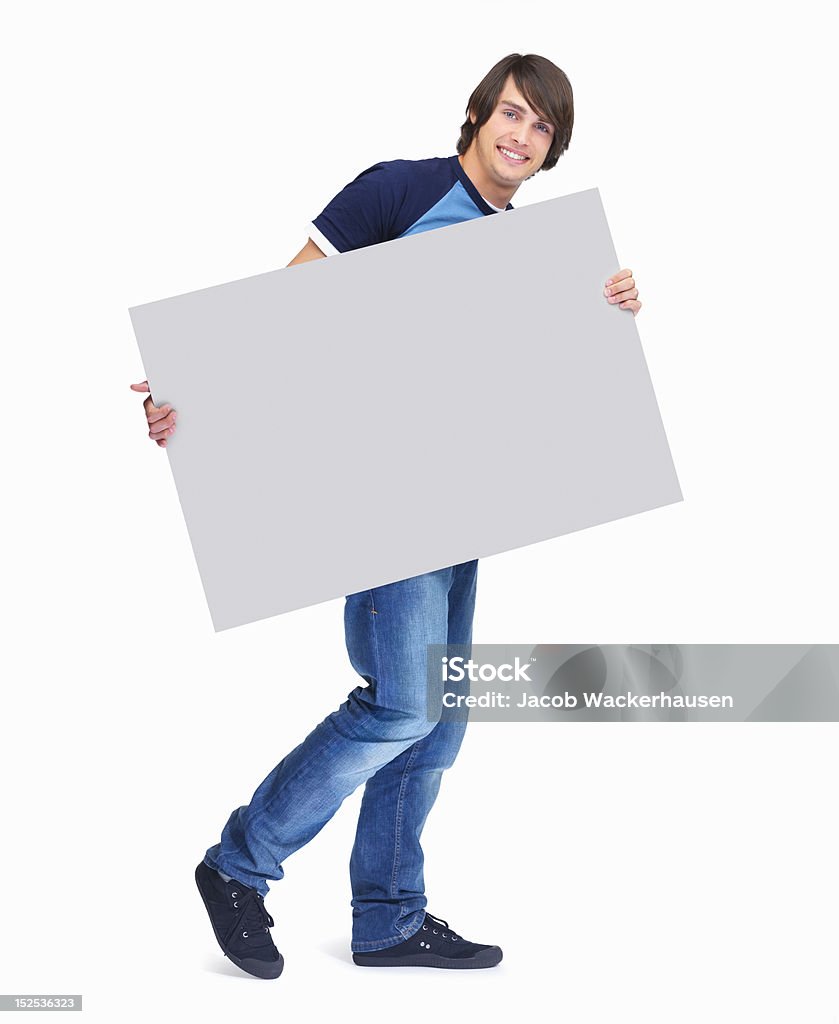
(310, 251)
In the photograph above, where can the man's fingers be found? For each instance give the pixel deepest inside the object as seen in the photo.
(620, 288)
(160, 419)
(625, 285)
(154, 413)
(159, 433)
(621, 274)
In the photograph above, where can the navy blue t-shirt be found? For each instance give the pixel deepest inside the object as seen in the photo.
(397, 198)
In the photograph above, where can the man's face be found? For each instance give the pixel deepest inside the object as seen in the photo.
(513, 131)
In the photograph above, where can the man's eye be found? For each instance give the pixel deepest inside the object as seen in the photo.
(544, 127)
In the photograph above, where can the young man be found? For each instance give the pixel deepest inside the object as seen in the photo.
(519, 121)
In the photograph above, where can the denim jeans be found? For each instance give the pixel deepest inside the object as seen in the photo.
(381, 735)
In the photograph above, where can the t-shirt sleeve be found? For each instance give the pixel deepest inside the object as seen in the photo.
(364, 212)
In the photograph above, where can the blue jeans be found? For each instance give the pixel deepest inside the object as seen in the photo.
(380, 735)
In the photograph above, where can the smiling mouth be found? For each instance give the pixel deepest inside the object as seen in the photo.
(512, 157)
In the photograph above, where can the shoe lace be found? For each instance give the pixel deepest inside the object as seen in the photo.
(445, 924)
(253, 917)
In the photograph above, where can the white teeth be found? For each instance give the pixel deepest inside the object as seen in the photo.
(513, 156)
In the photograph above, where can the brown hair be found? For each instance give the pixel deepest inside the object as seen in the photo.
(545, 87)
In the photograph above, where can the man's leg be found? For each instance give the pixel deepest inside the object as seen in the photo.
(386, 866)
(387, 632)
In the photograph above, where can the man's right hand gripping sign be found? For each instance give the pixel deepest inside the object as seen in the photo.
(161, 420)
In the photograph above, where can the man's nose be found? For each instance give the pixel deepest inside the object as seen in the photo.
(520, 135)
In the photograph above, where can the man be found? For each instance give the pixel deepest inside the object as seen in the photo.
(519, 120)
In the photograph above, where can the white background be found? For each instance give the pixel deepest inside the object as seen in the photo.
(642, 873)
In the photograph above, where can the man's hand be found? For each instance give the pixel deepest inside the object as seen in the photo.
(621, 288)
(161, 421)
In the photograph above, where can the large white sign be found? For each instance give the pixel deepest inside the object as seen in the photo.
(390, 411)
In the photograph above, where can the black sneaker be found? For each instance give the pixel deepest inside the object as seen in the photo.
(241, 923)
(434, 945)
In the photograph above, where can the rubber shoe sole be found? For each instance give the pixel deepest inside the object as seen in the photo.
(257, 968)
(486, 958)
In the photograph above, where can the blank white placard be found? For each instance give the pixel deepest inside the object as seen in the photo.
(385, 412)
